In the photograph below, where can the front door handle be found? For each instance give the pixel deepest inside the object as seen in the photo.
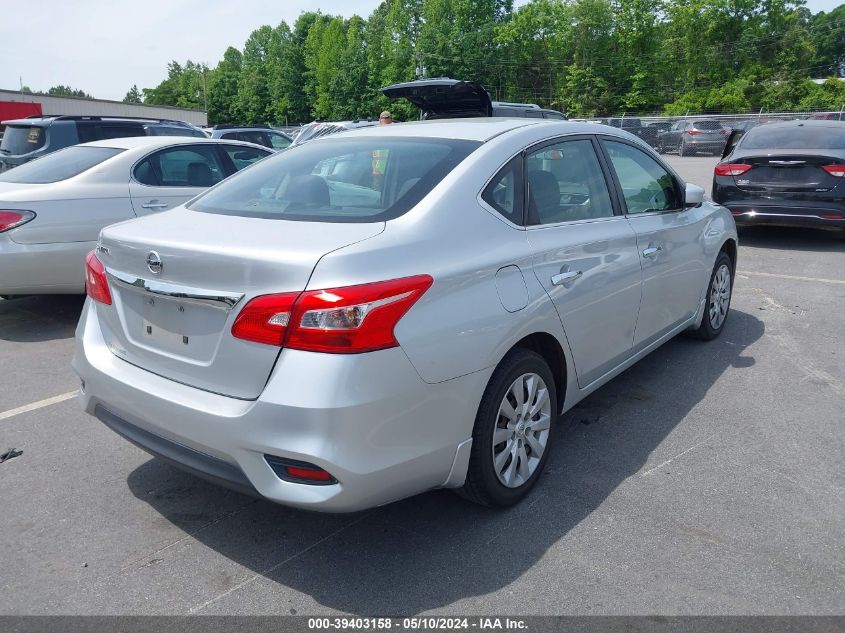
(154, 204)
(565, 278)
(652, 251)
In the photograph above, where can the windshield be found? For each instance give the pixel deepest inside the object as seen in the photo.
(799, 137)
(22, 139)
(60, 165)
(339, 180)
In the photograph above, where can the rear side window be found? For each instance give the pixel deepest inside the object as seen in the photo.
(646, 186)
(60, 165)
(181, 167)
(339, 180)
(22, 139)
(97, 131)
(505, 192)
(798, 137)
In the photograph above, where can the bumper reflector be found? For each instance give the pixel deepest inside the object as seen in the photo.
(299, 472)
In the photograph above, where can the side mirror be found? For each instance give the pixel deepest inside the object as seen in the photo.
(693, 195)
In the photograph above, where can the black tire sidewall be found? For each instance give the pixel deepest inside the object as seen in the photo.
(481, 470)
(706, 331)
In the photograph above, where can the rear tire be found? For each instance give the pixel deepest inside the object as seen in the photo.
(718, 301)
(513, 431)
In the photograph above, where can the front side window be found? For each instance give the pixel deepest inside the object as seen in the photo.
(646, 186)
(60, 165)
(243, 156)
(279, 141)
(566, 184)
(505, 191)
(339, 180)
(181, 167)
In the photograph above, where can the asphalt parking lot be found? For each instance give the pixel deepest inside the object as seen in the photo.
(707, 479)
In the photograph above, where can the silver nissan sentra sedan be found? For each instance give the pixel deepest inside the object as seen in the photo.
(397, 308)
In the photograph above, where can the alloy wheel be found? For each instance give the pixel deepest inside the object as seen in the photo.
(720, 297)
(522, 430)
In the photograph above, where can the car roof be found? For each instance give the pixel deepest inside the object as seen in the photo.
(144, 142)
(812, 123)
(472, 129)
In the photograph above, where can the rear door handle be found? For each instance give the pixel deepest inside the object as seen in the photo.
(652, 251)
(154, 204)
(565, 278)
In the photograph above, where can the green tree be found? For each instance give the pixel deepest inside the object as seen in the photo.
(67, 91)
(828, 38)
(223, 88)
(253, 99)
(133, 96)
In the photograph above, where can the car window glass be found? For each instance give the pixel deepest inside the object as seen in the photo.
(230, 136)
(707, 125)
(553, 115)
(60, 165)
(646, 186)
(278, 141)
(20, 139)
(254, 136)
(243, 156)
(798, 137)
(505, 191)
(566, 183)
(343, 180)
(181, 167)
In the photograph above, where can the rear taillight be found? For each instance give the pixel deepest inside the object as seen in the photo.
(96, 284)
(10, 219)
(724, 131)
(835, 170)
(731, 169)
(693, 132)
(265, 319)
(352, 319)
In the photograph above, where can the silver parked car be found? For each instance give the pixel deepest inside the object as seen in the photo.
(399, 308)
(52, 209)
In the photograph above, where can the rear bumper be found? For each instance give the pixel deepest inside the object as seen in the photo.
(368, 419)
(786, 216)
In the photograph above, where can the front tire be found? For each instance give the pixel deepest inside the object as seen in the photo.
(513, 431)
(682, 149)
(718, 301)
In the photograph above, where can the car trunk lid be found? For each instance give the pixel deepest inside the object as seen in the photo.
(787, 173)
(443, 98)
(178, 280)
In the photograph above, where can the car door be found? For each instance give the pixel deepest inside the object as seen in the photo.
(669, 239)
(173, 175)
(584, 253)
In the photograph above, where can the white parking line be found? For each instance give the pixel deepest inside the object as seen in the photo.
(793, 277)
(37, 405)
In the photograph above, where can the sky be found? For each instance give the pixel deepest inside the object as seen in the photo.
(104, 48)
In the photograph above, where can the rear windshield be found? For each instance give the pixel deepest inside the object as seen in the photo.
(707, 125)
(22, 139)
(338, 180)
(60, 165)
(768, 137)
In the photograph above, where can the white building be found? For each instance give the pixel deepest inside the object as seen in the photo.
(79, 106)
